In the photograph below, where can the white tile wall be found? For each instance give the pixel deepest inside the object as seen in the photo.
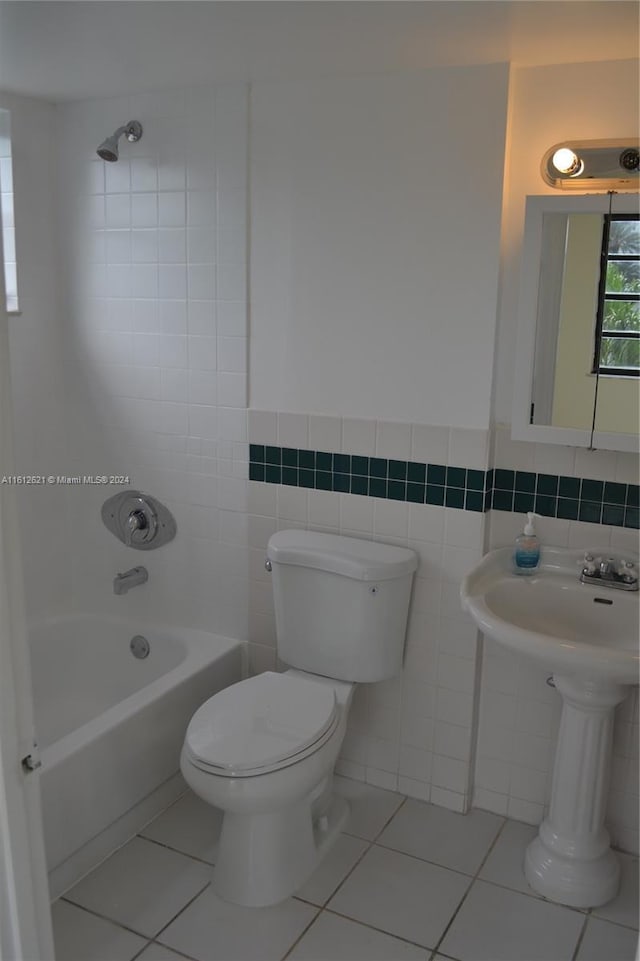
(155, 254)
(414, 732)
(519, 713)
(417, 732)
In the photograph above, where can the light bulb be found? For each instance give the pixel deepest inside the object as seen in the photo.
(567, 162)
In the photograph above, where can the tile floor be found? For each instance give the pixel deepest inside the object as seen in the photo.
(407, 880)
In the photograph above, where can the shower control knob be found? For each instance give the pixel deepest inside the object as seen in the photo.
(137, 527)
(138, 520)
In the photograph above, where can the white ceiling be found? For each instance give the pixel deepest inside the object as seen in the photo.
(88, 48)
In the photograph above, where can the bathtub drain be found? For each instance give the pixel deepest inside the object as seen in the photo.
(140, 646)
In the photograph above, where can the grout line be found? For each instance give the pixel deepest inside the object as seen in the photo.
(580, 938)
(531, 893)
(181, 911)
(138, 953)
(169, 847)
(302, 934)
(125, 927)
(335, 890)
(473, 880)
(105, 917)
(537, 897)
(369, 845)
(179, 954)
(390, 818)
(372, 927)
(435, 864)
(618, 924)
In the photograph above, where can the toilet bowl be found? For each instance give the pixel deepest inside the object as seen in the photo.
(263, 751)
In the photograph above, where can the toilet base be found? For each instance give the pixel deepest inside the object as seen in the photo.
(265, 858)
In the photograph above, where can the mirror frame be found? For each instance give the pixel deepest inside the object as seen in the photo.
(527, 317)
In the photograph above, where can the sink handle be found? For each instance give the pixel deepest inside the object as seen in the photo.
(608, 571)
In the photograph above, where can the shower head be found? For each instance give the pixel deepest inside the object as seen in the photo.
(108, 149)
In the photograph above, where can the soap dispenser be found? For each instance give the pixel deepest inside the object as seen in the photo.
(526, 553)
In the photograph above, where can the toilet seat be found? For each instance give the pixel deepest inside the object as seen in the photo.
(261, 724)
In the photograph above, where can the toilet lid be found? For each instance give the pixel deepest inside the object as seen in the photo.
(258, 722)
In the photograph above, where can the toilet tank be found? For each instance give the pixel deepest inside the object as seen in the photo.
(341, 603)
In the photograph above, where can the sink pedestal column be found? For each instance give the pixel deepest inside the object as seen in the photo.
(570, 861)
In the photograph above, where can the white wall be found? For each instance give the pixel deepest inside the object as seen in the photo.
(375, 235)
(153, 333)
(36, 358)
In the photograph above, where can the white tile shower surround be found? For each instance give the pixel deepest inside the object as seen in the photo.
(414, 733)
(406, 880)
(154, 327)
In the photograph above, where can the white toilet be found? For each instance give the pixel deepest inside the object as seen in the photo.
(263, 750)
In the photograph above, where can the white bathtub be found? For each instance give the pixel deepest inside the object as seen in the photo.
(110, 727)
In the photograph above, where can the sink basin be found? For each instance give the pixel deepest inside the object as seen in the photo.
(569, 627)
(587, 636)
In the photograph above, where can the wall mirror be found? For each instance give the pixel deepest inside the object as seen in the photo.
(578, 350)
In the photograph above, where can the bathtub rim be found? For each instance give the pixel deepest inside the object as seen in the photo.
(199, 653)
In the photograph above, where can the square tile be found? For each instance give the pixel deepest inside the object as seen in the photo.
(605, 940)
(401, 895)
(371, 807)
(456, 841)
(333, 869)
(80, 936)
(525, 502)
(498, 925)
(624, 908)
(141, 886)
(190, 826)
(359, 436)
(505, 864)
(331, 938)
(211, 929)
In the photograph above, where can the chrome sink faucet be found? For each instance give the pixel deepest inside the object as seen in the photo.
(616, 572)
(132, 578)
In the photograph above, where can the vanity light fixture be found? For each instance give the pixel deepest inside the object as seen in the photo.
(591, 165)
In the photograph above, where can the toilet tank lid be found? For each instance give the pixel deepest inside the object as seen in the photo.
(348, 556)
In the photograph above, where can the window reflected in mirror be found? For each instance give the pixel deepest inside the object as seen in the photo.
(588, 331)
(617, 337)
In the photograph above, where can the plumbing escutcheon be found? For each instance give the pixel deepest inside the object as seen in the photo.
(138, 520)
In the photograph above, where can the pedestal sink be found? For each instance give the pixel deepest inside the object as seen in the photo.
(586, 635)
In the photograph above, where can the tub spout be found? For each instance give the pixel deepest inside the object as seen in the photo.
(124, 582)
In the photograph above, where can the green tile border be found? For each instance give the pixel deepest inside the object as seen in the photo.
(552, 495)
